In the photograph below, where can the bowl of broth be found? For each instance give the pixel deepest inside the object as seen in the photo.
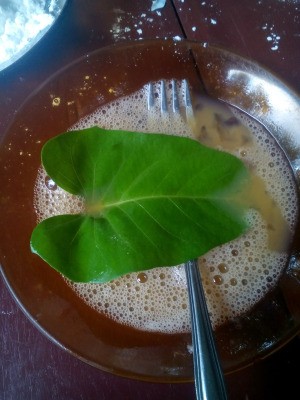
(138, 325)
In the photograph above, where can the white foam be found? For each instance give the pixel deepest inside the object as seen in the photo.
(235, 275)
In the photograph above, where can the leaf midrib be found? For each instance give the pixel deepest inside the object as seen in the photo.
(160, 197)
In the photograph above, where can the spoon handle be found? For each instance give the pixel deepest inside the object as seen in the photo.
(209, 380)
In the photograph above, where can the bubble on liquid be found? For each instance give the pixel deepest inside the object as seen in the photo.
(235, 275)
(50, 199)
(50, 184)
(218, 280)
(223, 268)
(142, 277)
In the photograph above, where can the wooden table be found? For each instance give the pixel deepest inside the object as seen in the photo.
(268, 31)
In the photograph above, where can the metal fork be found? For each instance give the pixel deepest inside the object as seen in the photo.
(209, 379)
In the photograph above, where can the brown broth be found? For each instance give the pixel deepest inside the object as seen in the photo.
(159, 302)
(47, 299)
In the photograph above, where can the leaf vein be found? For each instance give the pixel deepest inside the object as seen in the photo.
(138, 228)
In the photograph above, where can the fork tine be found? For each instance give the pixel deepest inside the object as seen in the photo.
(150, 98)
(163, 97)
(188, 101)
(179, 93)
(187, 94)
(175, 100)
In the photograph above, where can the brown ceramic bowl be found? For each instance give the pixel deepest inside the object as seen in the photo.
(44, 296)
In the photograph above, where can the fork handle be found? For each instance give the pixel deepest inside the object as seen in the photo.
(209, 379)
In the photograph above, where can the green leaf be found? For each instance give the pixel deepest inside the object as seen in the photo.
(151, 200)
